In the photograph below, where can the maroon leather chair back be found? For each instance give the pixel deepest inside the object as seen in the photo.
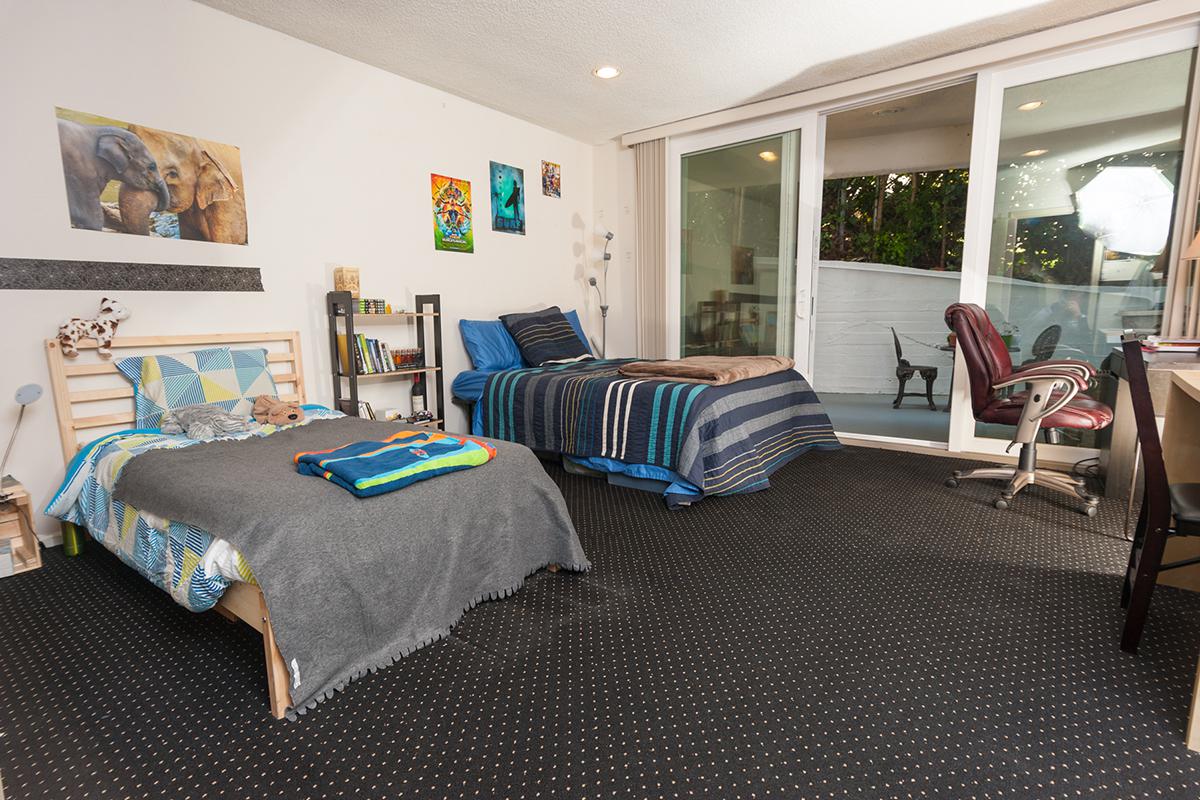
(983, 350)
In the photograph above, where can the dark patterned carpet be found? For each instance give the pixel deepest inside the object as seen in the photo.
(858, 631)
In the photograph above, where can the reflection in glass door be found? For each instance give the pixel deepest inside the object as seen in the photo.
(1088, 172)
(738, 248)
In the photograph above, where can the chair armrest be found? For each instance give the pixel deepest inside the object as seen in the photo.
(1041, 401)
(1045, 379)
(1087, 369)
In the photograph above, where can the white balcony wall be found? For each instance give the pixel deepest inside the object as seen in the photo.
(860, 301)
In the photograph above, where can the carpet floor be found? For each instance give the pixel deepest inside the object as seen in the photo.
(857, 631)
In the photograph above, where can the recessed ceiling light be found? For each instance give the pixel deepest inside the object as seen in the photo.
(1035, 153)
(883, 112)
(606, 72)
(1031, 105)
(768, 155)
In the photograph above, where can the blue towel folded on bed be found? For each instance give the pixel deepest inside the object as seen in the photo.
(369, 468)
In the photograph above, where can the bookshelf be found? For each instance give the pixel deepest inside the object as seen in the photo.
(345, 321)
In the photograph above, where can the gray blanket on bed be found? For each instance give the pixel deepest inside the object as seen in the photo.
(354, 584)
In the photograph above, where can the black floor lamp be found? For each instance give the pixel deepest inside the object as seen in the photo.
(603, 295)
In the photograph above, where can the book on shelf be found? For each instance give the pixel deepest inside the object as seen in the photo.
(364, 363)
(343, 352)
(1174, 344)
(373, 357)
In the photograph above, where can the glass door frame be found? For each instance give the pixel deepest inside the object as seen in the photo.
(805, 123)
(990, 83)
(990, 86)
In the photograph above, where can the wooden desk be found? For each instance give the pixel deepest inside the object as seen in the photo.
(1120, 458)
(1181, 452)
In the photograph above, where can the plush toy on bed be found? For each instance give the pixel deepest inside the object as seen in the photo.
(270, 410)
(203, 421)
(102, 328)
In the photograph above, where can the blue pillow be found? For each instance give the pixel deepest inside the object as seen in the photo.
(488, 344)
(545, 337)
(573, 318)
(492, 349)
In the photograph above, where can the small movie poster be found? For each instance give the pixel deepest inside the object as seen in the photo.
(508, 198)
(551, 179)
(452, 215)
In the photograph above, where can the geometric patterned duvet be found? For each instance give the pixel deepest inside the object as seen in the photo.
(188, 563)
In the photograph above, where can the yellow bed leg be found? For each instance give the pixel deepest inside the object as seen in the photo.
(73, 539)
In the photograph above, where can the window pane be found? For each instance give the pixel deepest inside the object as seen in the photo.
(1085, 194)
(738, 220)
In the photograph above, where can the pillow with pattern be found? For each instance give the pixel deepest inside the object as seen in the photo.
(228, 379)
(545, 337)
(204, 421)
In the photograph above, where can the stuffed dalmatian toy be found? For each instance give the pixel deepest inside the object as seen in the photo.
(102, 328)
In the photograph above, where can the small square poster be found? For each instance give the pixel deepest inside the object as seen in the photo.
(551, 179)
(452, 214)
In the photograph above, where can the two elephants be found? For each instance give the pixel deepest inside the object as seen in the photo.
(199, 181)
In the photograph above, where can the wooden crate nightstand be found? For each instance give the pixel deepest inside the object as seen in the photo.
(16, 526)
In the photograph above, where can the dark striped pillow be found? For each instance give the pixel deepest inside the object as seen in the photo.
(545, 337)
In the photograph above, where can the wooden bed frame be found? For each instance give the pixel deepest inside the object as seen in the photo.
(91, 383)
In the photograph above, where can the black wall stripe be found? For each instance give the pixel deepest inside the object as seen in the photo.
(37, 273)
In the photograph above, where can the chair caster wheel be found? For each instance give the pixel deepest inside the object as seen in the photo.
(1090, 511)
(1002, 504)
(951, 482)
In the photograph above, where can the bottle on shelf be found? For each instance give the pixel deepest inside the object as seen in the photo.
(418, 394)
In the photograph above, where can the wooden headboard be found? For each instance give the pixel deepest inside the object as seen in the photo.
(90, 395)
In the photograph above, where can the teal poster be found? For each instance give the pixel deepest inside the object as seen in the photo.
(508, 198)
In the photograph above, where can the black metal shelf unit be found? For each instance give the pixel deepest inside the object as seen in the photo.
(341, 306)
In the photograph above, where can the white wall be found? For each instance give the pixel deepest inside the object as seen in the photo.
(615, 196)
(926, 150)
(336, 156)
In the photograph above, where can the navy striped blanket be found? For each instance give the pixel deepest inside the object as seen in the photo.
(722, 439)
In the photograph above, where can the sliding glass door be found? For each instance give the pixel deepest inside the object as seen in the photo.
(1083, 174)
(738, 248)
(1045, 192)
(891, 247)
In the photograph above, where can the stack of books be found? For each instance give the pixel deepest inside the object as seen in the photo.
(372, 356)
(1165, 344)
(368, 305)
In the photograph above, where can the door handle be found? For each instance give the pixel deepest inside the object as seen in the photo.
(801, 303)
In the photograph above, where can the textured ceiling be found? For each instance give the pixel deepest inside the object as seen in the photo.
(533, 58)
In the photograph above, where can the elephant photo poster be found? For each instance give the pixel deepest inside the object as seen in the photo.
(551, 179)
(127, 178)
(452, 215)
(508, 198)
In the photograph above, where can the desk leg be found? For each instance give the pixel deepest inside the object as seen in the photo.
(1193, 723)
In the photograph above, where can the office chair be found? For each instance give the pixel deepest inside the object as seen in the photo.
(1052, 400)
(1160, 501)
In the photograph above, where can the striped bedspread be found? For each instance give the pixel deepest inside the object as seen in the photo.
(722, 439)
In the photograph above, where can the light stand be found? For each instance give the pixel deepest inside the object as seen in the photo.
(29, 393)
(607, 257)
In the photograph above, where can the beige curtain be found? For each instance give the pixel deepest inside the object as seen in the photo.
(651, 194)
(1182, 315)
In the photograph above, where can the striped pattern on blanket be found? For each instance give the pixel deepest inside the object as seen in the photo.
(722, 439)
(368, 468)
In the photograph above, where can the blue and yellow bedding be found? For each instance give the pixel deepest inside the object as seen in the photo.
(187, 562)
(703, 440)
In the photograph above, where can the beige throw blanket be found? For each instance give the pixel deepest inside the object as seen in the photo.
(713, 370)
